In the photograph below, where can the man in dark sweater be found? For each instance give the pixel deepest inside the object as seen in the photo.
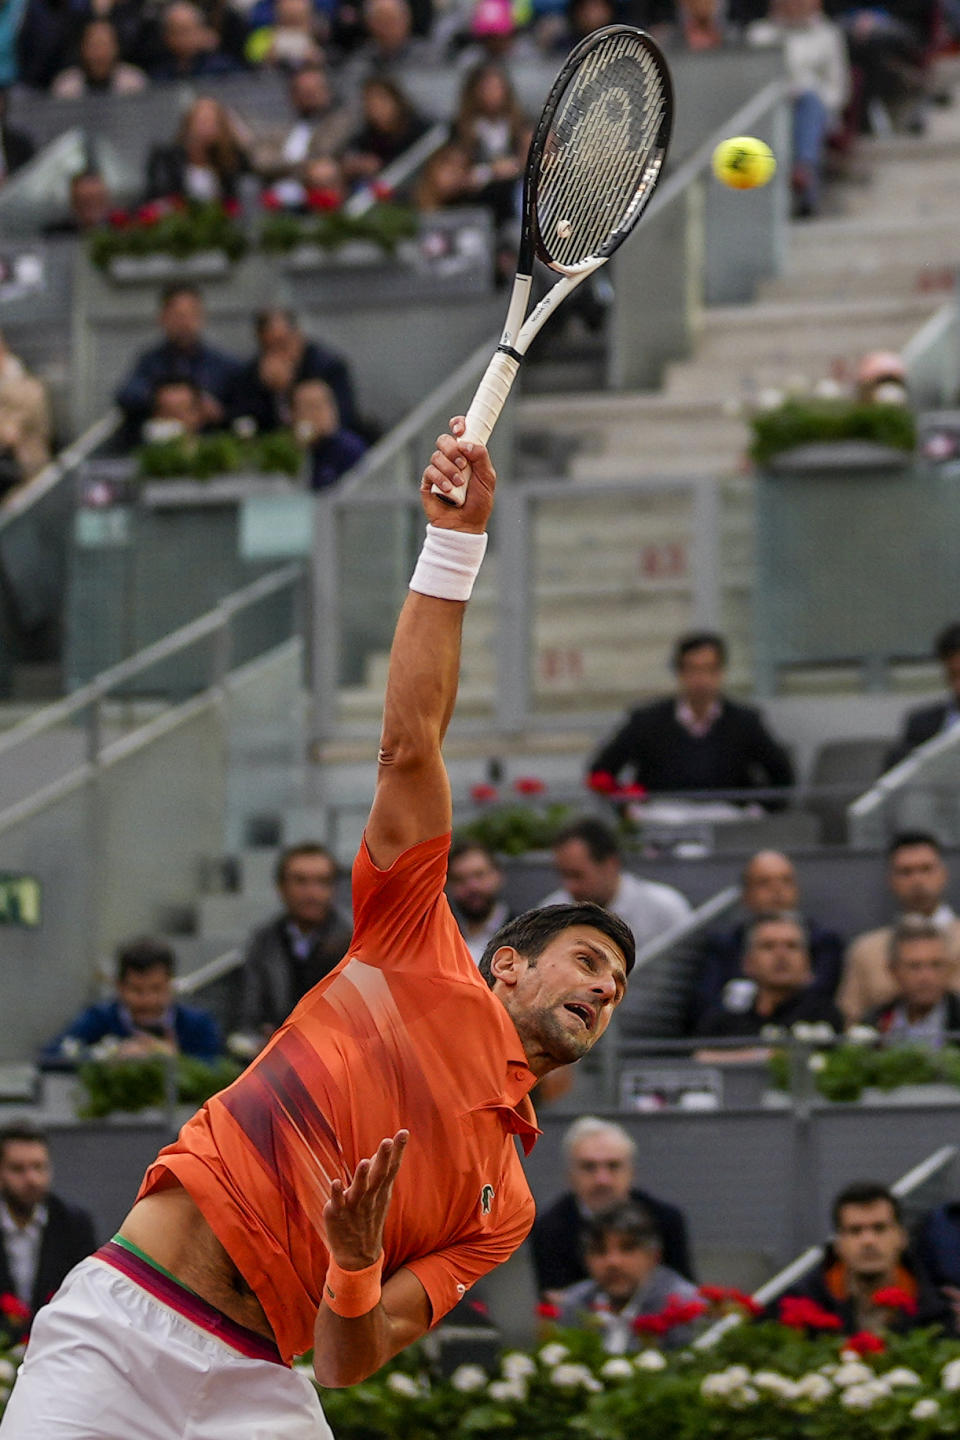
(297, 948)
(697, 740)
(924, 723)
(777, 963)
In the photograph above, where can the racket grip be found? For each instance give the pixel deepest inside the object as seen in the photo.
(484, 412)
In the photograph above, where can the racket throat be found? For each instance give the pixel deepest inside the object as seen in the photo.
(516, 310)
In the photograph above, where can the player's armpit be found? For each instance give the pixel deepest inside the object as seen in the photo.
(347, 1351)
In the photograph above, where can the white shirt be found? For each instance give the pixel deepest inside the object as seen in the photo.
(648, 907)
(22, 1244)
(815, 55)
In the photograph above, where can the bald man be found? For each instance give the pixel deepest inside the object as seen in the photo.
(768, 885)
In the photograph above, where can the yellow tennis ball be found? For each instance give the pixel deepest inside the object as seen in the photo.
(743, 163)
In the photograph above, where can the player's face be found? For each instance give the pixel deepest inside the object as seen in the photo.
(619, 1265)
(474, 884)
(562, 1001)
(918, 878)
(24, 1175)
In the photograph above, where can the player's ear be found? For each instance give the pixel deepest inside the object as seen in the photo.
(506, 964)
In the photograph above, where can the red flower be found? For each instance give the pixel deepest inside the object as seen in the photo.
(13, 1307)
(894, 1297)
(381, 190)
(270, 200)
(323, 198)
(149, 214)
(730, 1295)
(633, 792)
(528, 785)
(483, 793)
(119, 219)
(864, 1343)
(546, 1311)
(801, 1314)
(682, 1312)
(651, 1325)
(602, 782)
(480, 1307)
(231, 208)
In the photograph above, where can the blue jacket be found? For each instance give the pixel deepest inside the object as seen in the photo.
(197, 1033)
(212, 370)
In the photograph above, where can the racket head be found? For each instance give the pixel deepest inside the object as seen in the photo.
(598, 150)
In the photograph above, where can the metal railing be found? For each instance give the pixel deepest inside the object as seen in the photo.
(922, 792)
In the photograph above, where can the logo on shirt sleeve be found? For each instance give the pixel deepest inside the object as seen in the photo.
(486, 1199)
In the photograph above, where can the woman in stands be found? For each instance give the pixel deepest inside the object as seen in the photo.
(492, 129)
(390, 126)
(205, 161)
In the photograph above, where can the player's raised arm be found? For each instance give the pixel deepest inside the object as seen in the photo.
(412, 800)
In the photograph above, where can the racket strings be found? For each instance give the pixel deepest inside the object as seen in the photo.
(602, 155)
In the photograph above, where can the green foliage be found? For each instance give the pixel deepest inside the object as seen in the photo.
(121, 1083)
(160, 229)
(515, 829)
(383, 225)
(200, 457)
(845, 1071)
(810, 421)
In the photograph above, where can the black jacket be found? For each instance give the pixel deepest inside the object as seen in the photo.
(932, 1308)
(68, 1238)
(737, 753)
(250, 399)
(557, 1257)
(723, 953)
(273, 980)
(809, 1005)
(919, 726)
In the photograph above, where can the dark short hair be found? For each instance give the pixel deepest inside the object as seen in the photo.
(178, 287)
(600, 838)
(293, 852)
(865, 1192)
(912, 927)
(629, 1218)
(774, 917)
(699, 640)
(906, 839)
(532, 932)
(24, 1132)
(273, 312)
(144, 953)
(466, 846)
(948, 642)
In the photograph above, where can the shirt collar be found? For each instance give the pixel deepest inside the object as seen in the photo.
(34, 1225)
(694, 724)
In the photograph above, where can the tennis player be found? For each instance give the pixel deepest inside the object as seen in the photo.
(362, 1174)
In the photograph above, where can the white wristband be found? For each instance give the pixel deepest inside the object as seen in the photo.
(448, 563)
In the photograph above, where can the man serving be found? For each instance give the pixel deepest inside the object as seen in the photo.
(362, 1174)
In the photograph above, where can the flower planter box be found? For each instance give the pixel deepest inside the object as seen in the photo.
(140, 269)
(353, 253)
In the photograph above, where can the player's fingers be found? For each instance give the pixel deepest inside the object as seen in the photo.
(443, 479)
(458, 423)
(396, 1154)
(480, 463)
(451, 448)
(358, 1185)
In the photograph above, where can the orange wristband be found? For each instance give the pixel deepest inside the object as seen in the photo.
(349, 1293)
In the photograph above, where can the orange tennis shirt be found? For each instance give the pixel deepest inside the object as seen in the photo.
(403, 1034)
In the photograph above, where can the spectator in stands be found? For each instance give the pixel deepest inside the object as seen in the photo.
(90, 205)
(818, 70)
(330, 448)
(917, 878)
(16, 147)
(296, 948)
(587, 857)
(389, 44)
(11, 19)
(44, 41)
(493, 131)
(924, 723)
(177, 409)
(475, 889)
(321, 126)
(41, 1236)
(627, 1278)
(600, 1158)
(390, 126)
(777, 959)
(144, 1018)
(25, 426)
(99, 69)
(926, 1008)
(700, 25)
(189, 46)
(262, 390)
(206, 159)
(698, 739)
(768, 886)
(445, 180)
(492, 35)
(887, 47)
(183, 354)
(294, 37)
(867, 1256)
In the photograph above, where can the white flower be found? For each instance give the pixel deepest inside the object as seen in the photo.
(650, 1360)
(617, 1369)
(715, 1386)
(775, 1383)
(572, 1377)
(849, 1357)
(925, 1410)
(8, 1371)
(817, 1062)
(950, 1375)
(770, 399)
(402, 1384)
(813, 1387)
(468, 1377)
(737, 1374)
(860, 1035)
(553, 1353)
(517, 1365)
(854, 1372)
(743, 1396)
(507, 1389)
(809, 1033)
(859, 1397)
(901, 1376)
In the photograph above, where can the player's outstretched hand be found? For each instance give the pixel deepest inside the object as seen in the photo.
(354, 1215)
(453, 461)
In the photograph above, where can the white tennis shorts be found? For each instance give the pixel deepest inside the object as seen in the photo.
(108, 1361)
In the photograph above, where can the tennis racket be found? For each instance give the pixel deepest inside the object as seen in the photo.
(594, 162)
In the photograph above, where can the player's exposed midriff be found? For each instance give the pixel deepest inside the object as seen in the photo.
(169, 1227)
